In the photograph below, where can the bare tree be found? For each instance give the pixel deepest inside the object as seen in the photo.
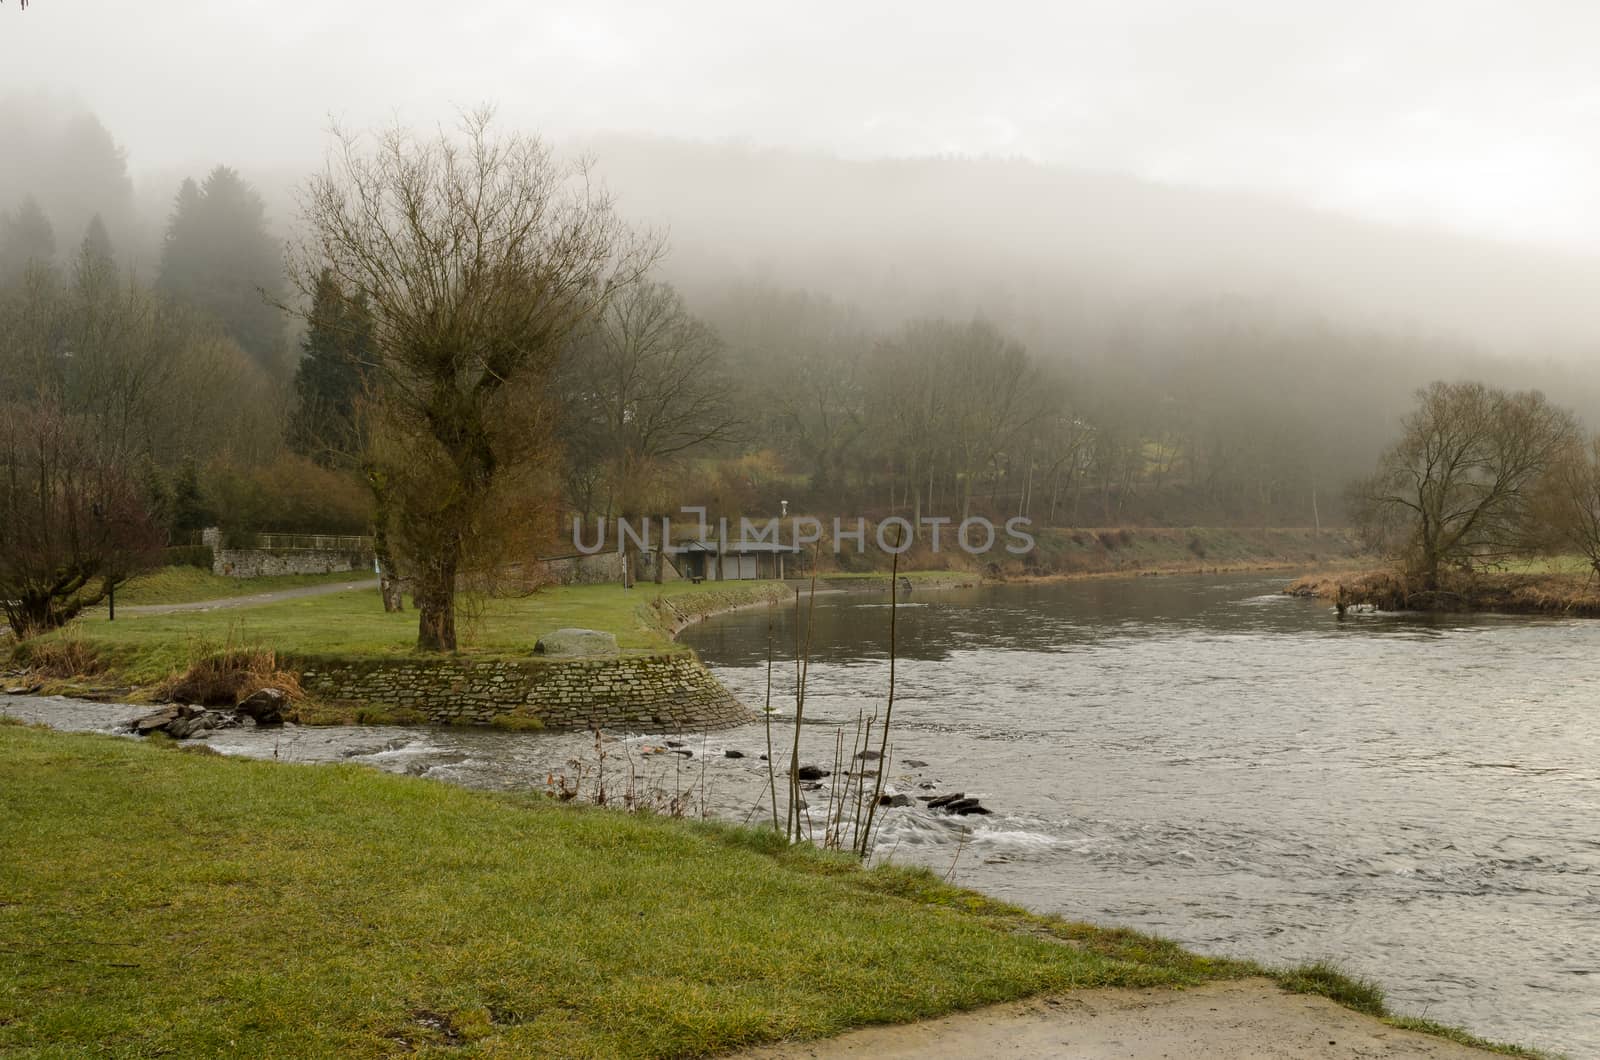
(479, 258)
(652, 375)
(1570, 502)
(72, 525)
(1456, 488)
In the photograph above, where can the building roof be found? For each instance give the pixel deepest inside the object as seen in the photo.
(734, 547)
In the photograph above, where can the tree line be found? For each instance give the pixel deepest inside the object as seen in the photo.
(467, 343)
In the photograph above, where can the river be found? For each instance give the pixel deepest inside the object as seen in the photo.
(1415, 798)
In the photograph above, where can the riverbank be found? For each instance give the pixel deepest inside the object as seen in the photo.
(337, 909)
(140, 650)
(1556, 592)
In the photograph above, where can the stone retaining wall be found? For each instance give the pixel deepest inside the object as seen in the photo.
(262, 562)
(273, 554)
(665, 691)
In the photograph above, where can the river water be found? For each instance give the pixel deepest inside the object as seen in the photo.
(1416, 799)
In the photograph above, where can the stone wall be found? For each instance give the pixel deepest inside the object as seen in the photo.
(664, 691)
(286, 554)
(261, 562)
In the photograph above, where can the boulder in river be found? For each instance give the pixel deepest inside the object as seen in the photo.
(181, 722)
(733, 754)
(152, 722)
(894, 800)
(913, 763)
(956, 803)
(868, 756)
(812, 773)
(264, 706)
(570, 642)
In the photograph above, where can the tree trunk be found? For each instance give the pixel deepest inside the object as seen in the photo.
(434, 591)
(389, 587)
(389, 584)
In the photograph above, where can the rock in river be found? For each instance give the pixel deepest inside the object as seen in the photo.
(181, 722)
(264, 707)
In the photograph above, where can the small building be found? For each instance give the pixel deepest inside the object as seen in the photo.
(702, 560)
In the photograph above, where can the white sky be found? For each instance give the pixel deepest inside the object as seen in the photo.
(1476, 115)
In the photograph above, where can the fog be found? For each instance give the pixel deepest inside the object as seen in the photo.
(1428, 168)
(1294, 216)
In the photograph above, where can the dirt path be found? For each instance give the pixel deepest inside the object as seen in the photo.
(1246, 1018)
(253, 600)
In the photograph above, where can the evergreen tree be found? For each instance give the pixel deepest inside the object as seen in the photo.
(187, 504)
(219, 257)
(335, 352)
(97, 242)
(26, 238)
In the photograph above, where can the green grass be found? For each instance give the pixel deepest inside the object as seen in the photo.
(159, 902)
(182, 585)
(143, 648)
(156, 902)
(1322, 978)
(1566, 564)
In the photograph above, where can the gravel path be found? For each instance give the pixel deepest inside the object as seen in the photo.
(1246, 1018)
(253, 600)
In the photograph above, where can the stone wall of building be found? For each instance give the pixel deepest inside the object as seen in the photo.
(668, 691)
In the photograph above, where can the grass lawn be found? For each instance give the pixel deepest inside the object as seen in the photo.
(148, 647)
(158, 902)
(162, 902)
(182, 585)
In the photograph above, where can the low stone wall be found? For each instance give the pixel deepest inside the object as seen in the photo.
(666, 691)
(271, 554)
(261, 562)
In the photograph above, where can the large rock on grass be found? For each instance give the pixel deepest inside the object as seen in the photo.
(574, 642)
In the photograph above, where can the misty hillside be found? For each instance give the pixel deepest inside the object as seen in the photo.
(1047, 248)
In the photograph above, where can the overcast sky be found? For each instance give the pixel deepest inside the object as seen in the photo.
(1481, 116)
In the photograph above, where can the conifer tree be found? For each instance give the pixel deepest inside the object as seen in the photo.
(219, 257)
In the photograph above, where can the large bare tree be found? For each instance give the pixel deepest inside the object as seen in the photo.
(1456, 489)
(479, 256)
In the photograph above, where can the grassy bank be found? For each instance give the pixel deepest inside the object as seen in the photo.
(1541, 588)
(160, 902)
(143, 648)
(183, 585)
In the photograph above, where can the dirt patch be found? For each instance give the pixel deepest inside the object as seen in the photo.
(1243, 1018)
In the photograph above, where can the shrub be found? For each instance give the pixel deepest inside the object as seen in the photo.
(290, 495)
(187, 556)
(222, 678)
(65, 655)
